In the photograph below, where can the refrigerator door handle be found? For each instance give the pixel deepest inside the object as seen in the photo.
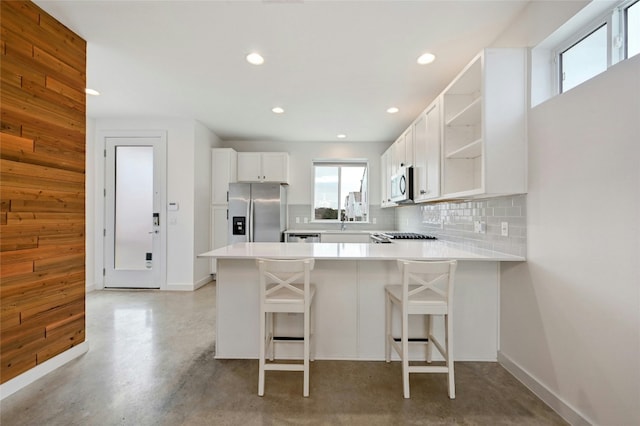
(251, 220)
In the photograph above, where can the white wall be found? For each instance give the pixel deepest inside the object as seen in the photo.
(570, 315)
(204, 140)
(303, 153)
(181, 188)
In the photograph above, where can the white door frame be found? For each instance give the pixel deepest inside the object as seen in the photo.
(101, 184)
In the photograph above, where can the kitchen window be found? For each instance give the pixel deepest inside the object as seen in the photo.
(585, 59)
(340, 191)
(613, 37)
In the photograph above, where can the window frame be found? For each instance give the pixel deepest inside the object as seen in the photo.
(560, 59)
(623, 10)
(361, 162)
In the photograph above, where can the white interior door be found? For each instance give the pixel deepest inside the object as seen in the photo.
(135, 215)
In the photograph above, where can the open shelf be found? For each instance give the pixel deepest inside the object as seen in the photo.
(472, 150)
(468, 116)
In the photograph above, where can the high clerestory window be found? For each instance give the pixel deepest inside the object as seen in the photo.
(613, 37)
(340, 191)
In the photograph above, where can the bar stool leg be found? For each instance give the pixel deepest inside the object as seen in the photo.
(307, 326)
(387, 331)
(449, 343)
(429, 321)
(262, 353)
(405, 354)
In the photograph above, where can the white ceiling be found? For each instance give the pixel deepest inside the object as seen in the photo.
(334, 66)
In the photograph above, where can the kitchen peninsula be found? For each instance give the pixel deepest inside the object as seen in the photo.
(349, 302)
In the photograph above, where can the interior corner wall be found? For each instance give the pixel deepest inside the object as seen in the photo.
(180, 188)
(570, 315)
(204, 140)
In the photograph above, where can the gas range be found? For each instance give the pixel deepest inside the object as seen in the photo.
(388, 237)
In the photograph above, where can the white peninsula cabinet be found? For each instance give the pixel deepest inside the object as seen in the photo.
(223, 172)
(484, 127)
(263, 167)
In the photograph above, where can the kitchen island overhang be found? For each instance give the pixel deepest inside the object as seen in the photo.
(349, 303)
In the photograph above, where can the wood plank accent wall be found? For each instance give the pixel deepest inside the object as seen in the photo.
(42, 192)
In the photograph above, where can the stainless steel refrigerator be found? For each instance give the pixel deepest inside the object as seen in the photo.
(257, 212)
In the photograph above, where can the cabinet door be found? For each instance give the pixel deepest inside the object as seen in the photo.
(219, 230)
(409, 147)
(433, 144)
(399, 153)
(223, 171)
(383, 179)
(420, 154)
(275, 167)
(250, 167)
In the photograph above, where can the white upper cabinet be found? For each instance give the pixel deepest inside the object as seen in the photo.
(385, 177)
(484, 123)
(426, 166)
(223, 172)
(263, 167)
(408, 147)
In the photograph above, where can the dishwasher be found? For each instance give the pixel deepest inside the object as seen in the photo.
(300, 237)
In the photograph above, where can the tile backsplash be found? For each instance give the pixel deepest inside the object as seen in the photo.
(385, 219)
(455, 221)
(451, 221)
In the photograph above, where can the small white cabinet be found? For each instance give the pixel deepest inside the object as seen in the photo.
(223, 172)
(263, 167)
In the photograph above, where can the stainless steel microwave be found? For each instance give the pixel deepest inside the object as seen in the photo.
(402, 185)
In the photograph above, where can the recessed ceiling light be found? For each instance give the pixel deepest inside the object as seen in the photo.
(426, 58)
(341, 136)
(392, 110)
(255, 58)
(277, 110)
(91, 92)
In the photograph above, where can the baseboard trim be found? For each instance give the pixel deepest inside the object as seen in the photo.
(179, 287)
(549, 397)
(14, 385)
(202, 282)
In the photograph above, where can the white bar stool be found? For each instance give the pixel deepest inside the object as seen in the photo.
(285, 287)
(426, 289)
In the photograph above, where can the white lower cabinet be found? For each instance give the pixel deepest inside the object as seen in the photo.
(344, 237)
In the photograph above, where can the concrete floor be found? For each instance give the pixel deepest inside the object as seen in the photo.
(151, 362)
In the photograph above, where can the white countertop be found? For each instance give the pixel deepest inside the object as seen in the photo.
(428, 250)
